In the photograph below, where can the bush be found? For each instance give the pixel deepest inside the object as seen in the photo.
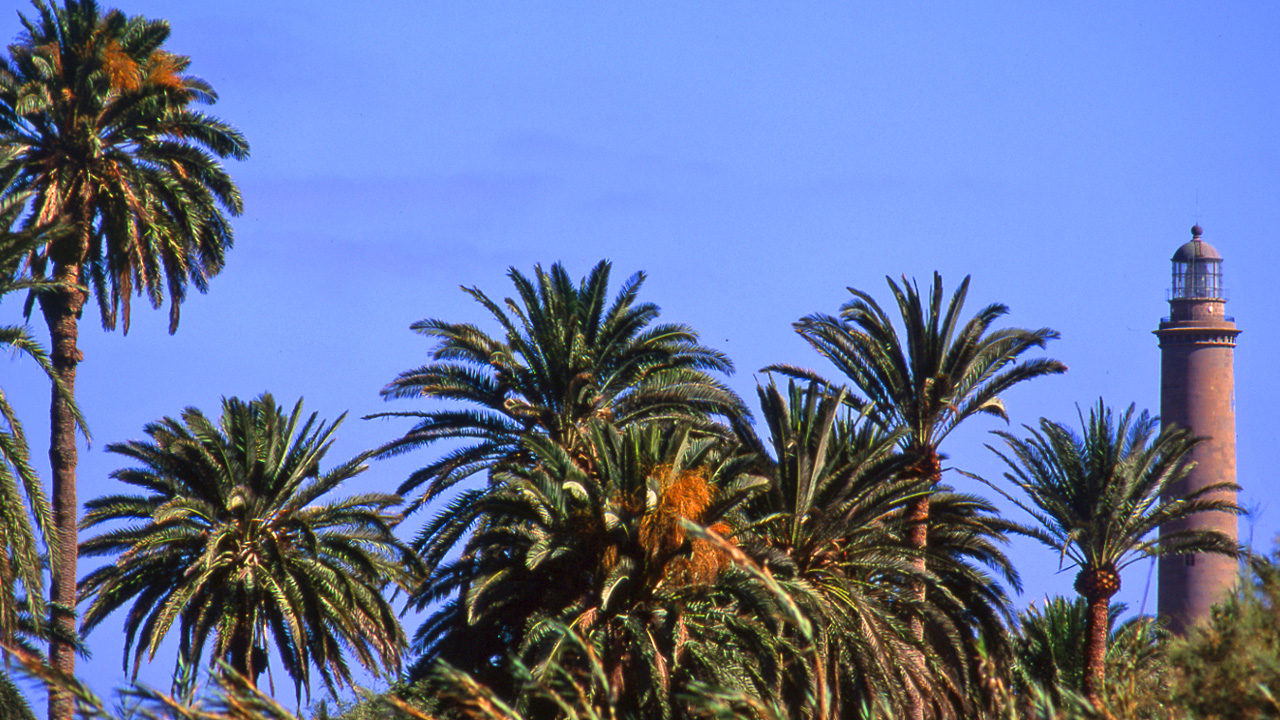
(1229, 669)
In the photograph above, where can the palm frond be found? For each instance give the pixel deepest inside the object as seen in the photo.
(233, 540)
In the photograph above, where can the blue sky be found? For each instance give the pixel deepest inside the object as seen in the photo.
(754, 159)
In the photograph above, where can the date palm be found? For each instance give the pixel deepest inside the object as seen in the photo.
(830, 527)
(927, 377)
(1048, 641)
(102, 124)
(566, 355)
(232, 538)
(616, 551)
(826, 529)
(1099, 500)
(930, 376)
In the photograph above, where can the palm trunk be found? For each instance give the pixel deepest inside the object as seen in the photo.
(918, 540)
(1095, 647)
(61, 309)
(929, 468)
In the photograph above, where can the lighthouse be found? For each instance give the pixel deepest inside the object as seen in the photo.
(1197, 343)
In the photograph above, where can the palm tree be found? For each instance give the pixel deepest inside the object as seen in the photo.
(825, 527)
(1047, 650)
(933, 376)
(101, 122)
(927, 379)
(830, 527)
(630, 554)
(566, 356)
(231, 538)
(1100, 498)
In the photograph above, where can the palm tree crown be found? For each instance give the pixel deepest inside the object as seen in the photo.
(566, 356)
(936, 373)
(1099, 499)
(101, 120)
(231, 538)
(629, 552)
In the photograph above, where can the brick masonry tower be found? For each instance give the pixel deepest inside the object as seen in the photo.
(1197, 391)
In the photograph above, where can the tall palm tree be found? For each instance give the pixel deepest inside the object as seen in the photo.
(927, 378)
(232, 537)
(1099, 500)
(566, 355)
(102, 123)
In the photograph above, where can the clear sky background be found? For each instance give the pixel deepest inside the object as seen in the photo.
(754, 159)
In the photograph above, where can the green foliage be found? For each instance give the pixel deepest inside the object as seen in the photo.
(627, 549)
(1048, 658)
(232, 538)
(13, 705)
(25, 516)
(99, 119)
(1230, 667)
(825, 527)
(933, 374)
(566, 356)
(231, 697)
(1048, 645)
(576, 684)
(1099, 500)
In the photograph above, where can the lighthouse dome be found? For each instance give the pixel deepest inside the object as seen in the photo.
(1197, 251)
(1197, 271)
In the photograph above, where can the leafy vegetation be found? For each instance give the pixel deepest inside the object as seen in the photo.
(566, 356)
(233, 537)
(1230, 667)
(98, 126)
(1099, 500)
(609, 537)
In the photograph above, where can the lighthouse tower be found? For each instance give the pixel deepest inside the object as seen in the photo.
(1197, 342)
